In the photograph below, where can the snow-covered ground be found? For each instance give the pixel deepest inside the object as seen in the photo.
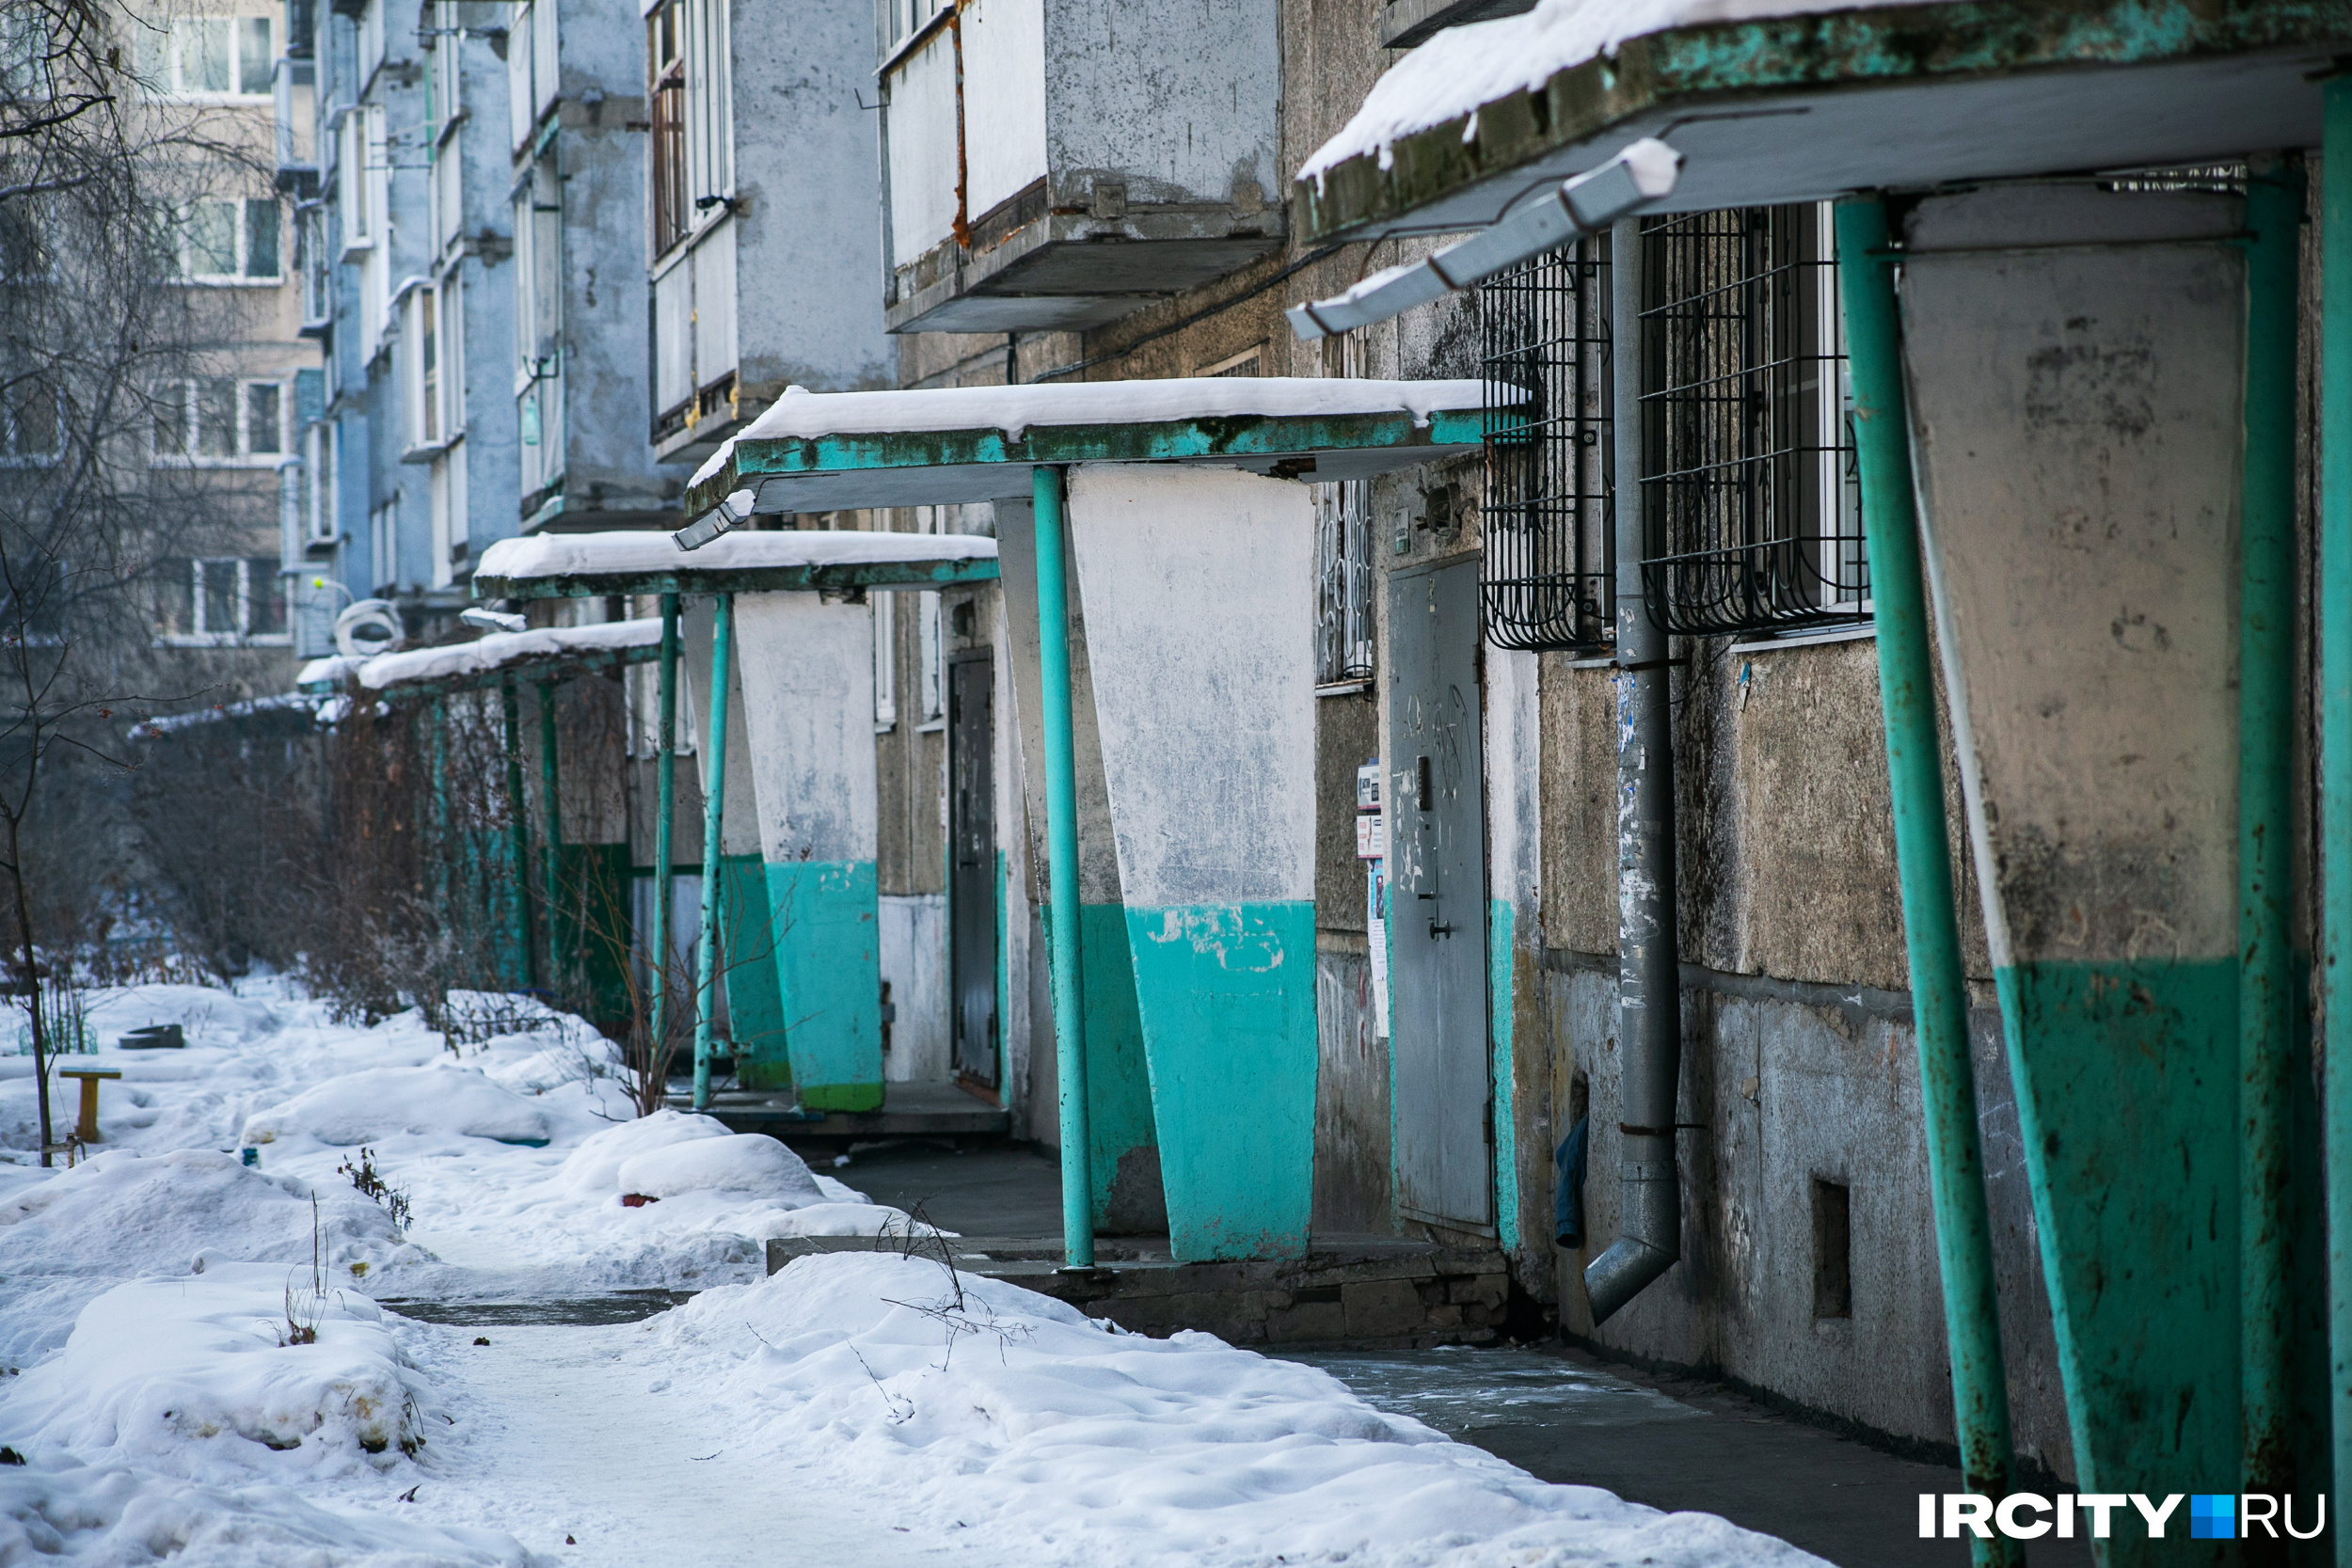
(193, 1364)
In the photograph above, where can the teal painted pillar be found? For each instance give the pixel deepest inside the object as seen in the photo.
(551, 858)
(2266, 1003)
(1915, 767)
(2335, 761)
(714, 799)
(1062, 933)
(665, 789)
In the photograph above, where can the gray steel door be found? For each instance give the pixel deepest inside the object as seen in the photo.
(1436, 815)
(972, 865)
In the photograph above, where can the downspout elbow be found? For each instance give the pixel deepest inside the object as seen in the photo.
(1651, 1243)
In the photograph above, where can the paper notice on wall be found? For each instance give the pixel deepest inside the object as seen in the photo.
(1376, 928)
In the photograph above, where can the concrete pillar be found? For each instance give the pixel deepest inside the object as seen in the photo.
(807, 673)
(1200, 597)
(2075, 359)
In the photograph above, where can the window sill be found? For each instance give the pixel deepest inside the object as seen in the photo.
(932, 726)
(1343, 688)
(1808, 640)
(218, 280)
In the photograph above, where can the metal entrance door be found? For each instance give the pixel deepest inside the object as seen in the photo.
(1437, 813)
(972, 865)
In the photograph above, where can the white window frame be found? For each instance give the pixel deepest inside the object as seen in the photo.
(383, 546)
(243, 454)
(429, 370)
(932, 655)
(12, 452)
(241, 241)
(166, 65)
(885, 662)
(245, 570)
(319, 460)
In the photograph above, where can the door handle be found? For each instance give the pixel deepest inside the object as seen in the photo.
(1437, 930)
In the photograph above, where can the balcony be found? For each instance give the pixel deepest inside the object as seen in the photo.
(1059, 179)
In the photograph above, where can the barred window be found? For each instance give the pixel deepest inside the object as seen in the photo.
(1343, 583)
(1548, 573)
(1751, 502)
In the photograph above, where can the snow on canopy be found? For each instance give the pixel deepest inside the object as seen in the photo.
(1013, 409)
(644, 554)
(501, 648)
(1463, 68)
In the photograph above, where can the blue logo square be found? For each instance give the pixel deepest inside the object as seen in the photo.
(2212, 1516)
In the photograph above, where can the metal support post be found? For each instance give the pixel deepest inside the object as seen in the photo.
(551, 858)
(2335, 759)
(1062, 834)
(1915, 766)
(2266, 999)
(714, 800)
(665, 776)
(518, 827)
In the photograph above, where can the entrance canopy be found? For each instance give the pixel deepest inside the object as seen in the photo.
(547, 651)
(584, 565)
(819, 451)
(1806, 106)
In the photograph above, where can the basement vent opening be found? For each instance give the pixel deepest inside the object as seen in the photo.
(1548, 573)
(1833, 1250)
(1752, 507)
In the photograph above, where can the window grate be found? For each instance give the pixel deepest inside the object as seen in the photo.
(1548, 574)
(1751, 502)
(1344, 576)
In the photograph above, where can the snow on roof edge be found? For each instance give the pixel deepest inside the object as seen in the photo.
(503, 648)
(1463, 68)
(641, 552)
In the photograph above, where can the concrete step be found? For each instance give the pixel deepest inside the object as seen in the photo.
(909, 1110)
(1364, 1292)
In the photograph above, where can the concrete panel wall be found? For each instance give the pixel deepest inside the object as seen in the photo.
(1179, 100)
(1004, 101)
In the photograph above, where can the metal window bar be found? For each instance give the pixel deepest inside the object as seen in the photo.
(1344, 582)
(1547, 579)
(1752, 500)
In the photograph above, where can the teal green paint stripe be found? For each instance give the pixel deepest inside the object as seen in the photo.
(2127, 1075)
(2334, 701)
(1119, 1082)
(1226, 997)
(1499, 917)
(825, 917)
(747, 945)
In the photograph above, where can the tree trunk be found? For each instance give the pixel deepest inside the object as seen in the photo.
(32, 987)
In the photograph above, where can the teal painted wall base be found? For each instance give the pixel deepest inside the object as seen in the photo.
(1499, 1015)
(1226, 993)
(2126, 1077)
(1119, 1127)
(826, 920)
(755, 1020)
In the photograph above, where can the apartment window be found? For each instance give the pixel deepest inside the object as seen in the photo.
(230, 241)
(431, 371)
(1245, 363)
(665, 47)
(319, 524)
(208, 57)
(896, 21)
(1343, 655)
(32, 427)
(355, 187)
(886, 661)
(443, 77)
(317, 267)
(1750, 501)
(931, 654)
(219, 421)
(1546, 573)
(221, 600)
(383, 546)
(538, 330)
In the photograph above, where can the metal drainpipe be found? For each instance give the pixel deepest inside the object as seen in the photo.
(2266, 606)
(519, 828)
(665, 776)
(1649, 985)
(551, 859)
(1062, 837)
(1914, 768)
(714, 802)
(2334, 598)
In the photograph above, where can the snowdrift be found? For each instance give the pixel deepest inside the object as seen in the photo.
(372, 1106)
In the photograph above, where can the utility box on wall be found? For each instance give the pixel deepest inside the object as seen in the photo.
(1055, 165)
